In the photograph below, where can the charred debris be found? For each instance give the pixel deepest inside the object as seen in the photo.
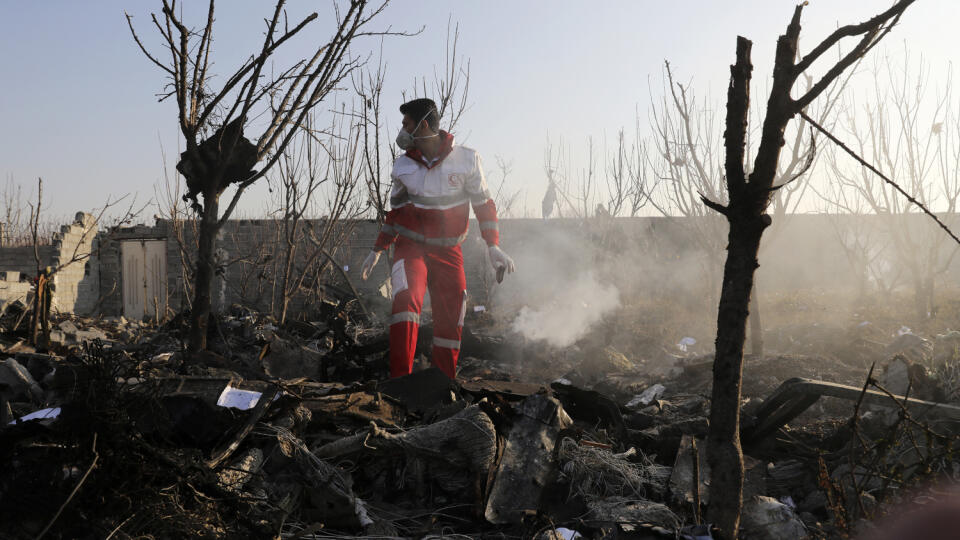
(116, 431)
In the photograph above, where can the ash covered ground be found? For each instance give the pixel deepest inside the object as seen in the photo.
(113, 430)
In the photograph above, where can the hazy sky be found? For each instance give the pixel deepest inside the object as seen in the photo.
(78, 103)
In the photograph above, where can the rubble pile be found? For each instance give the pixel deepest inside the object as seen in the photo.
(294, 431)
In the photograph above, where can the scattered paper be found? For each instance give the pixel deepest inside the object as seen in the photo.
(568, 534)
(42, 414)
(346, 268)
(561, 380)
(686, 342)
(236, 398)
(864, 323)
(478, 309)
(904, 330)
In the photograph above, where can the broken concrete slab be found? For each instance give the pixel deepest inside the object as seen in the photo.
(16, 383)
(527, 460)
(90, 334)
(765, 518)
(67, 327)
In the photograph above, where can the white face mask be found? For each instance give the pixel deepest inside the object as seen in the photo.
(406, 140)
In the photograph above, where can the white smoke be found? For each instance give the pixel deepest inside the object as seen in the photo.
(570, 313)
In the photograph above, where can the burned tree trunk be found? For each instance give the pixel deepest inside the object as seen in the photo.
(282, 100)
(747, 218)
(756, 324)
(206, 269)
(723, 441)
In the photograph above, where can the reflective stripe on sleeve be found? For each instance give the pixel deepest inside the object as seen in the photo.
(489, 226)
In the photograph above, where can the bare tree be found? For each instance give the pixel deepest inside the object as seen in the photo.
(685, 157)
(688, 160)
(862, 241)
(317, 177)
(505, 200)
(451, 87)
(213, 120)
(182, 225)
(569, 192)
(630, 182)
(913, 135)
(749, 197)
(16, 226)
(368, 86)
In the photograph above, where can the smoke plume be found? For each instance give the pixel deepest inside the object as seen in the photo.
(568, 316)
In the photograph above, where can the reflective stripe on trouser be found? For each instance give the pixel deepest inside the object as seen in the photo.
(439, 269)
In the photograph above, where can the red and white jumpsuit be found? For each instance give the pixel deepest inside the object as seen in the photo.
(429, 208)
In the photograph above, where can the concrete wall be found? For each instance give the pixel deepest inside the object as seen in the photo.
(646, 256)
(12, 289)
(650, 256)
(76, 283)
(76, 286)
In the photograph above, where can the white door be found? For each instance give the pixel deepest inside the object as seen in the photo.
(144, 264)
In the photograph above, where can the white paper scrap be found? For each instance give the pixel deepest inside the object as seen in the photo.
(238, 399)
(686, 342)
(478, 309)
(42, 414)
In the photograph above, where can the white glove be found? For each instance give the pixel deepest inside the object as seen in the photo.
(499, 259)
(369, 263)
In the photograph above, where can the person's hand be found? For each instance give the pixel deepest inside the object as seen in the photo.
(501, 262)
(369, 263)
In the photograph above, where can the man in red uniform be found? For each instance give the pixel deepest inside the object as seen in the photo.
(434, 184)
